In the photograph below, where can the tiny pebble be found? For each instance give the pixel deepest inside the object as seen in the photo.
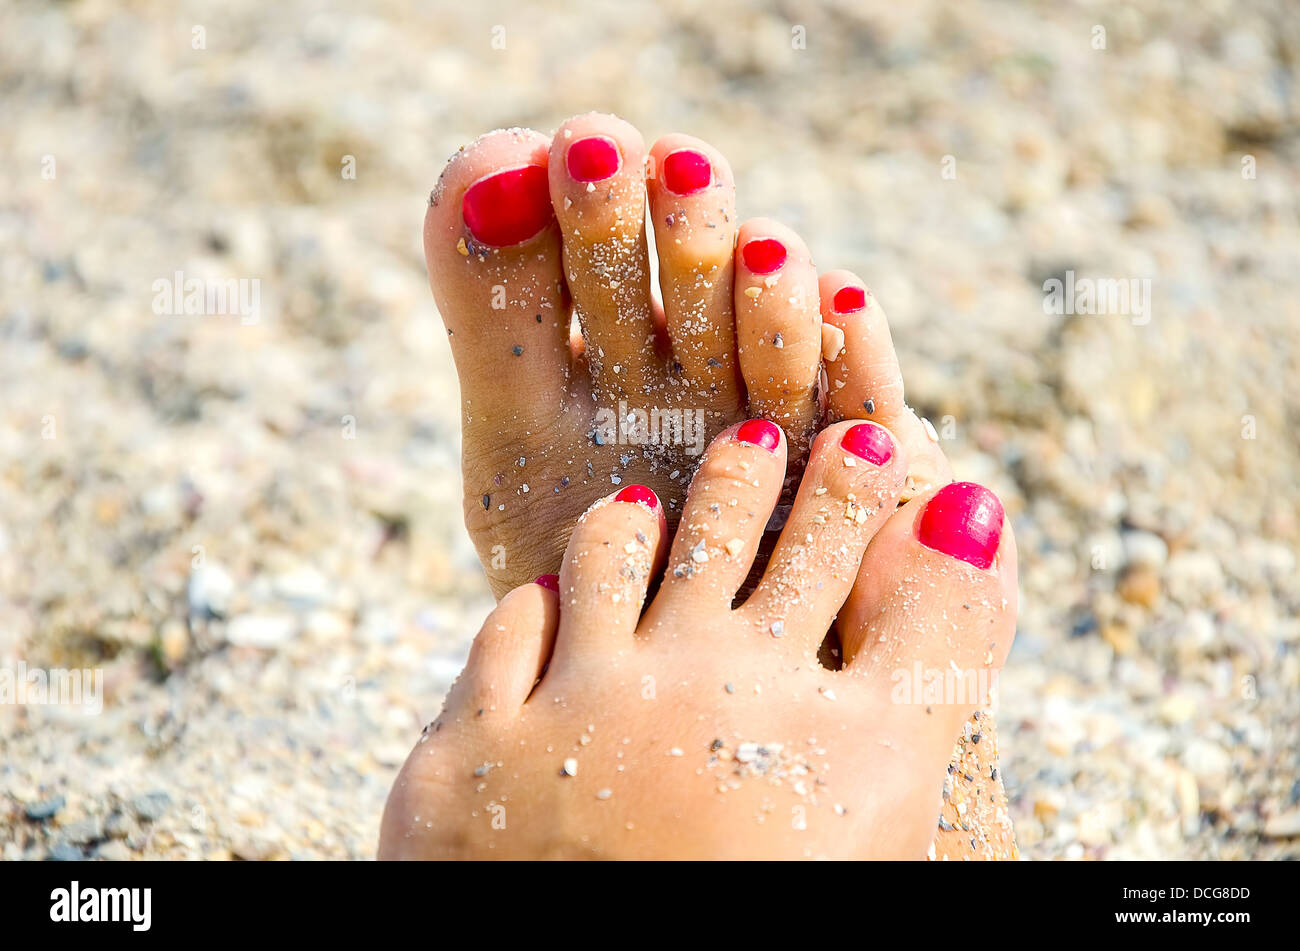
(46, 809)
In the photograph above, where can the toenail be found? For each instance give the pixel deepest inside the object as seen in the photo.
(963, 520)
(687, 171)
(763, 255)
(549, 581)
(869, 442)
(848, 299)
(759, 432)
(509, 206)
(593, 158)
(641, 494)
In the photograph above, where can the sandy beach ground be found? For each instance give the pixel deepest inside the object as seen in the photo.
(252, 526)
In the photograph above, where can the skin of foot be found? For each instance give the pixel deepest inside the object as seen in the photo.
(527, 235)
(583, 727)
(524, 233)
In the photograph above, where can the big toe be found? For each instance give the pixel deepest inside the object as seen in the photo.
(493, 254)
(933, 611)
(929, 622)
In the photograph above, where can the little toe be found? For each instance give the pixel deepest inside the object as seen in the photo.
(693, 208)
(493, 255)
(863, 378)
(614, 552)
(850, 488)
(597, 183)
(778, 329)
(507, 656)
(729, 502)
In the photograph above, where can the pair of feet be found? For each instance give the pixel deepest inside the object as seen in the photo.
(581, 726)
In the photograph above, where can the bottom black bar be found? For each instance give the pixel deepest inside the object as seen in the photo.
(335, 901)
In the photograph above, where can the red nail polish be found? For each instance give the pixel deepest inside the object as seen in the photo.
(549, 581)
(763, 255)
(869, 442)
(508, 207)
(848, 299)
(639, 493)
(759, 432)
(593, 158)
(687, 171)
(963, 520)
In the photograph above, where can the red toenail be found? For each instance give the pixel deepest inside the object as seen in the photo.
(963, 520)
(639, 493)
(593, 158)
(759, 432)
(869, 442)
(687, 171)
(509, 206)
(549, 581)
(848, 299)
(763, 255)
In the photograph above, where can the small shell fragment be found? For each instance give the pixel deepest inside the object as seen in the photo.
(832, 342)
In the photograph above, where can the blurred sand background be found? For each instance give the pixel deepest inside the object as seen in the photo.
(278, 607)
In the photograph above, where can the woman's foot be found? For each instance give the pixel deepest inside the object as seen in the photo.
(863, 377)
(511, 252)
(580, 728)
(523, 230)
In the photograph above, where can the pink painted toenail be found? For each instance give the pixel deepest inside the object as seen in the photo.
(639, 493)
(687, 171)
(759, 432)
(963, 520)
(551, 582)
(848, 299)
(509, 206)
(593, 158)
(869, 442)
(763, 255)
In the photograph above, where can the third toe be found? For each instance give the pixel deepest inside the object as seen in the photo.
(778, 329)
(693, 210)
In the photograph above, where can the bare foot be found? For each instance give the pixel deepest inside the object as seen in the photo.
(865, 382)
(581, 728)
(523, 230)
